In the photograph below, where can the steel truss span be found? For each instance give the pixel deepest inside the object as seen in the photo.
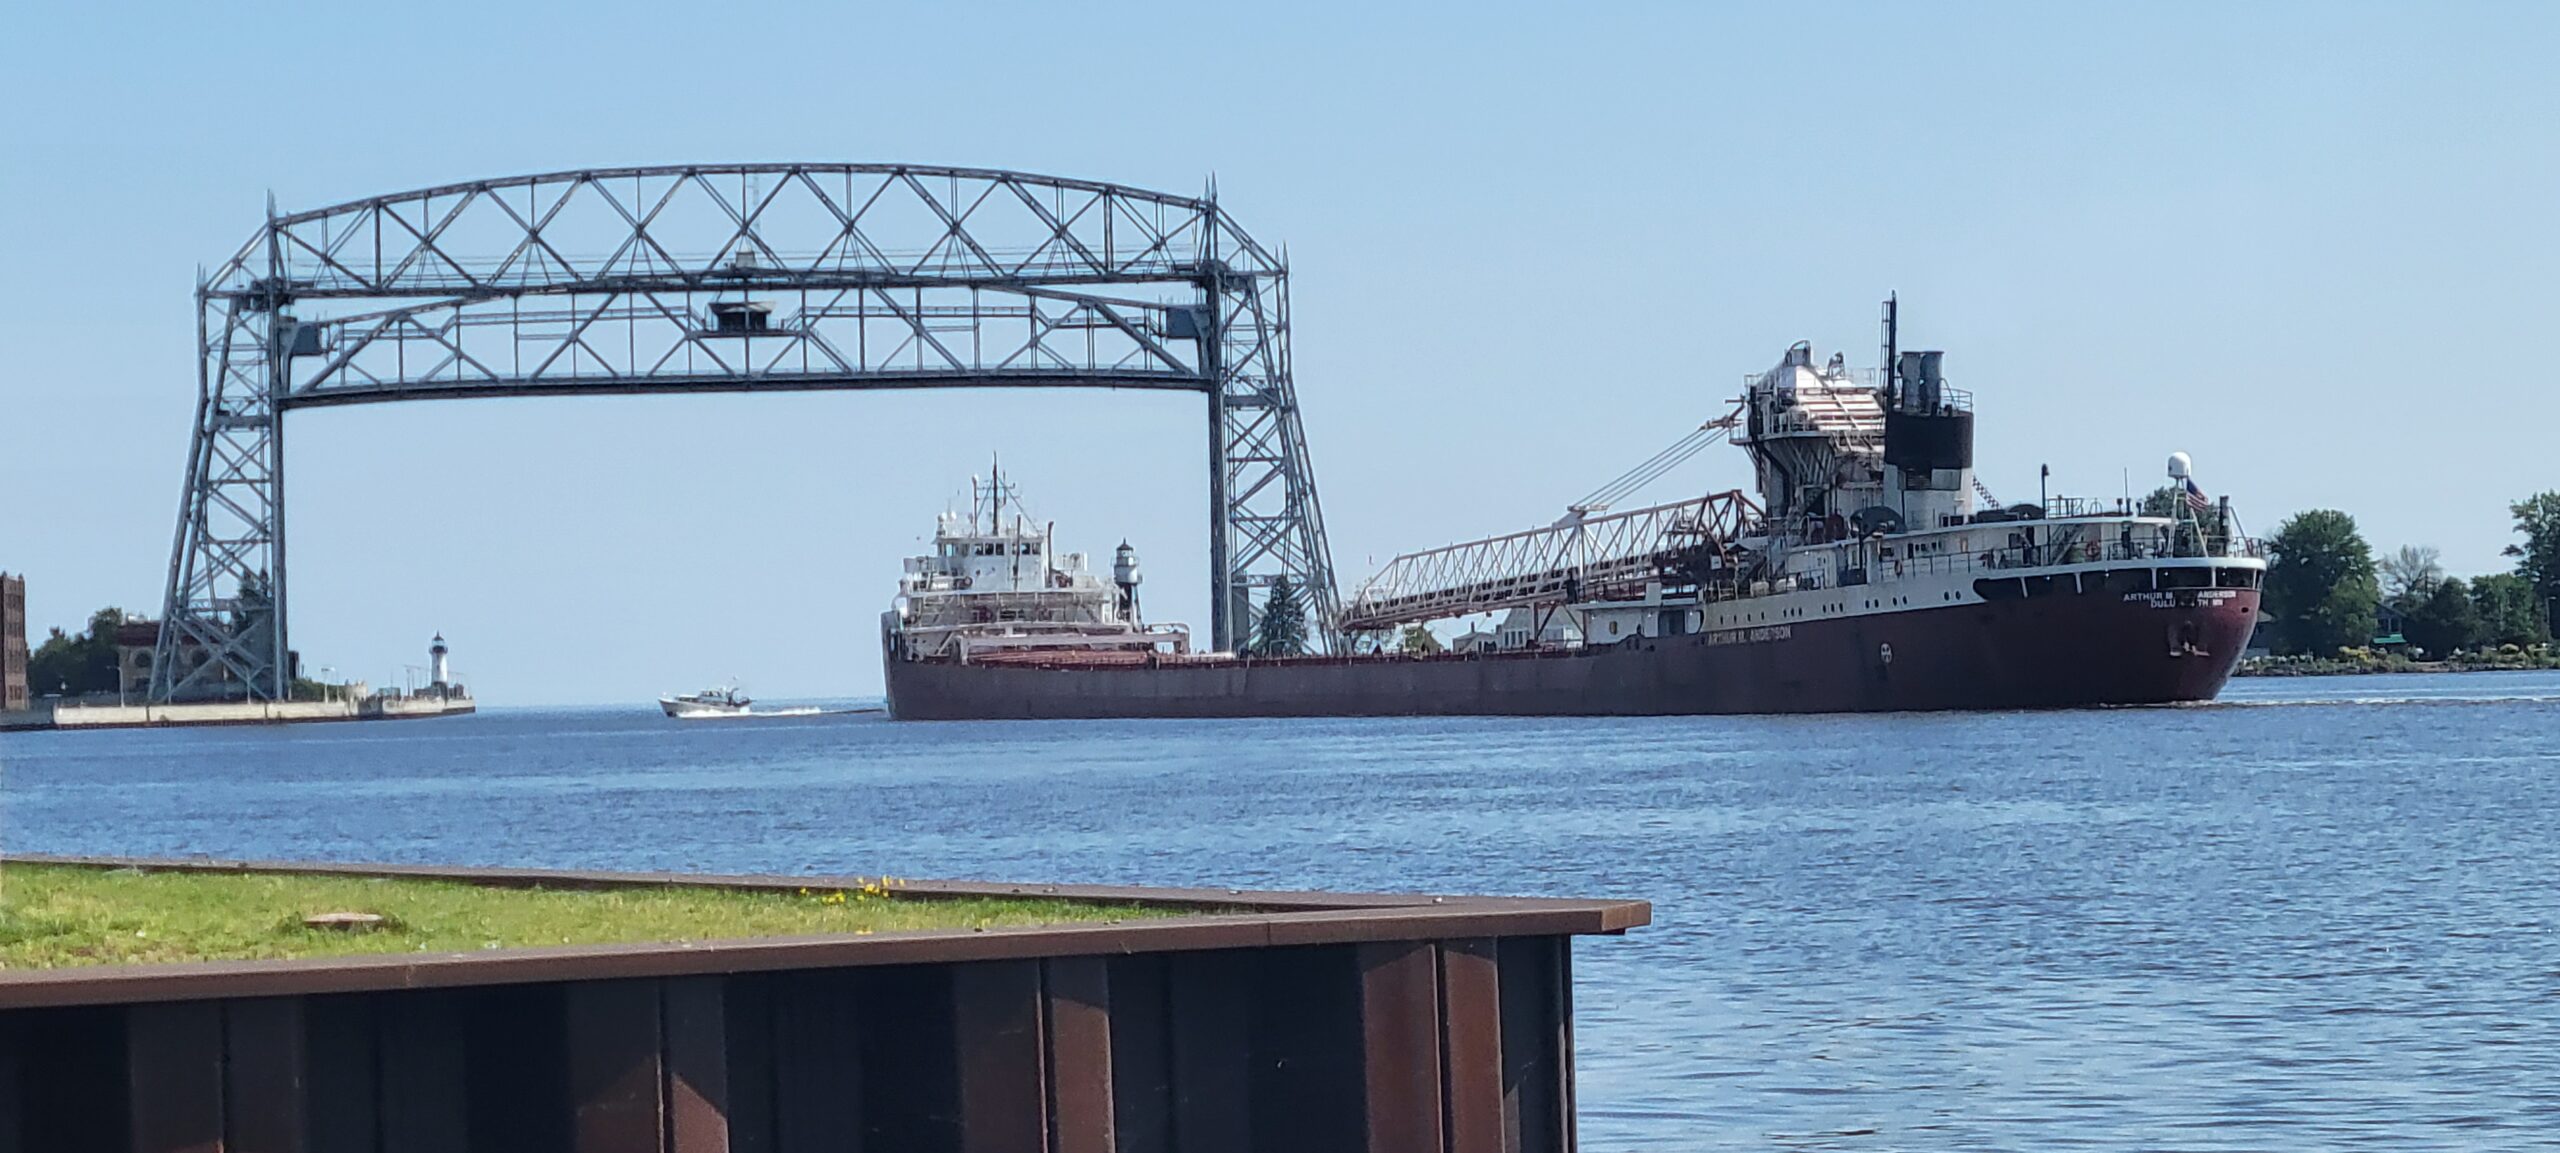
(1577, 558)
(727, 278)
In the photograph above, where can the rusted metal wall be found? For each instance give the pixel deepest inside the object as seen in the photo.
(1457, 1045)
(1256, 1022)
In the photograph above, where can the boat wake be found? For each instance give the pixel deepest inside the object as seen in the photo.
(769, 714)
(2426, 699)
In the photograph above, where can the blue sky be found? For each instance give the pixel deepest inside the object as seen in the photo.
(2311, 245)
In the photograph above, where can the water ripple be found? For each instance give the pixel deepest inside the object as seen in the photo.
(2321, 915)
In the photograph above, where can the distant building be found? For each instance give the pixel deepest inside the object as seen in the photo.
(13, 644)
(2390, 629)
(137, 639)
(138, 645)
(2262, 636)
(1520, 628)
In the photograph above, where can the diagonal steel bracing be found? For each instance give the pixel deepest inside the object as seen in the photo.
(727, 278)
(1576, 558)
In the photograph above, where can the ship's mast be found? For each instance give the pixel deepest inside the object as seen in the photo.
(1892, 342)
(989, 500)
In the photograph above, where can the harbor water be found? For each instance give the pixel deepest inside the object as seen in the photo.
(2323, 913)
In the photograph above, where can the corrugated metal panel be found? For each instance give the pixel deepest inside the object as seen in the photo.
(1391, 1027)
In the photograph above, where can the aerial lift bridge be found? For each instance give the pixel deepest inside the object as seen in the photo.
(727, 278)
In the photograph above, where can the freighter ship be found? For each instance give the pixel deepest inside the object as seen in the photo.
(1873, 573)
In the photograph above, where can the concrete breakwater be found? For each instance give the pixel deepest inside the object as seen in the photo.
(53, 715)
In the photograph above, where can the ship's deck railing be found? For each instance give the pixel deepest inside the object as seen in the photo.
(1951, 399)
(2182, 544)
(2179, 546)
(1581, 559)
(1831, 410)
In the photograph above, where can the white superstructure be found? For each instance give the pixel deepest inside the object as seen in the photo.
(994, 586)
(2085, 550)
(1869, 508)
(1867, 505)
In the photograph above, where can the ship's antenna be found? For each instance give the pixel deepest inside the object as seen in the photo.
(995, 493)
(1007, 494)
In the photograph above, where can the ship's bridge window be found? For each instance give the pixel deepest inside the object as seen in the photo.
(2236, 578)
(1026, 550)
(2186, 578)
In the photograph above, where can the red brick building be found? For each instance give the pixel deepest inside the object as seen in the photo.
(13, 643)
(136, 640)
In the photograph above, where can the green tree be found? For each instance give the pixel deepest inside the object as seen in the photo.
(2320, 584)
(2538, 558)
(2165, 500)
(1419, 640)
(2508, 612)
(1283, 629)
(55, 664)
(2410, 575)
(84, 662)
(2443, 622)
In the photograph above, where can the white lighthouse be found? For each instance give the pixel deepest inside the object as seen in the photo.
(436, 661)
(1124, 573)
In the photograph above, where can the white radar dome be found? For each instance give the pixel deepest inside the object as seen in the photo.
(2180, 466)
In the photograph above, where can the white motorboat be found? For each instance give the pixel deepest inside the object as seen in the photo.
(725, 701)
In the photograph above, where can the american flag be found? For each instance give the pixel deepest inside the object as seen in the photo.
(2196, 499)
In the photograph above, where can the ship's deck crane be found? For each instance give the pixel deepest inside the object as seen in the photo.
(1634, 480)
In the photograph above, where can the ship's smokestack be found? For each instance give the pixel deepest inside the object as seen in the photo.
(1928, 433)
(1927, 427)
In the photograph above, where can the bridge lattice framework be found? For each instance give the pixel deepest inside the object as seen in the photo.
(728, 278)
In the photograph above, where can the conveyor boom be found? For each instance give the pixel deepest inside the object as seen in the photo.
(1578, 557)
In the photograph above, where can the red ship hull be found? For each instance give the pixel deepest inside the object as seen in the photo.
(2064, 651)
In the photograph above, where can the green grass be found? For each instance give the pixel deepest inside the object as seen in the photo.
(53, 916)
